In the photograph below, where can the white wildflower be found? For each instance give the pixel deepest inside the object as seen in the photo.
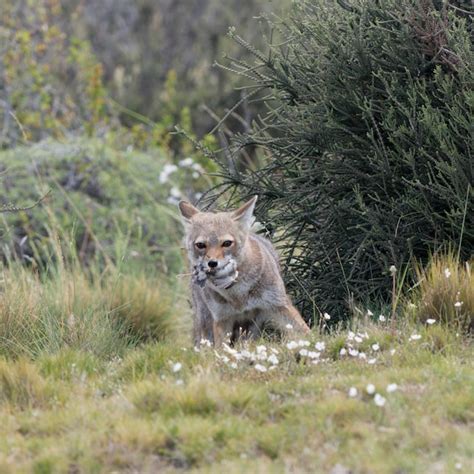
(350, 336)
(292, 345)
(303, 352)
(260, 368)
(392, 270)
(370, 389)
(392, 387)
(392, 352)
(186, 162)
(353, 352)
(175, 192)
(352, 392)
(343, 352)
(458, 466)
(179, 382)
(415, 337)
(327, 317)
(458, 304)
(320, 346)
(205, 342)
(273, 359)
(289, 326)
(303, 343)
(197, 167)
(314, 354)
(372, 361)
(369, 313)
(382, 318)
(358, 339)
(430, 321)
(362, 355)
(176, 367)
(375, 347)
(379, 400)
(168, 169)
(275, 351)
(447, 272)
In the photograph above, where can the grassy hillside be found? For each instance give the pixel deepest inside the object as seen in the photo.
(268, 408)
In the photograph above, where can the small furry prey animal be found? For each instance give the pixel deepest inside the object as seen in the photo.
(236, 278)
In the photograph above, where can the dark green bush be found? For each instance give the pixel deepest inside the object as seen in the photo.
(369, 142)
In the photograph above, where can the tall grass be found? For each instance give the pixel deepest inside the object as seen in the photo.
(100, 308)
(444, 292)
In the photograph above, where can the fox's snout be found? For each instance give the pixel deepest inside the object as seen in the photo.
(212, 263)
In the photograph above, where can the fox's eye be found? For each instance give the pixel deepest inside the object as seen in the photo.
(200, 245)
(227, 243)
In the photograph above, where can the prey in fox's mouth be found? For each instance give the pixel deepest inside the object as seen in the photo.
(221, 277)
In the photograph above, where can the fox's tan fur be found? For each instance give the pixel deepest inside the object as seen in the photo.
(246, 287)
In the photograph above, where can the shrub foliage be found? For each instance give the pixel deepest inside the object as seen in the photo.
(368, 139)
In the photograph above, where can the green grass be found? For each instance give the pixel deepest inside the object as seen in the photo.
(76, 411)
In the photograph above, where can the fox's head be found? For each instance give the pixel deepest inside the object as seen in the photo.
(216, 237)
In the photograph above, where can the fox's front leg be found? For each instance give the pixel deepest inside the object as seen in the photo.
(286, 319)
(202, 318)
(221, 328)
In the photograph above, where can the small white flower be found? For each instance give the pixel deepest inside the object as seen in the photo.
(370, 389)
(352, 392)
(458, 304)
(392, 270)
(313, 354)
(292, 345)
(392, 387)
(327, 317)
(273, 359)
(261, 349)
(375, 347)
(382, 318)
(430, 321)
(358, 339)
(289, 326)
(176, 367)
(165, 173)
(260, 368)
(320, 346)
(369, 313)
(392, 352)
(415, 337)
(412, 305)
(350, 336)
(179, 382)
(303, 343)
(186, 162)
(233, 365)
(458, 466)
(447, 272)
(175, 192)
(372, 361)
(362, 355)
(343, 352)
(379, 400)
(303, 352)
(353, 352)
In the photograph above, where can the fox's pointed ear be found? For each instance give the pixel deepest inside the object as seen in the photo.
(187, 210)
(244, 214)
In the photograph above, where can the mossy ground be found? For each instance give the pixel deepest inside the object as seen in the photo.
(76, 412)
